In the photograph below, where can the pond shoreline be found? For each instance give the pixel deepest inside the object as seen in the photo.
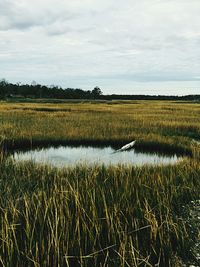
(107, 155)
(140, 146)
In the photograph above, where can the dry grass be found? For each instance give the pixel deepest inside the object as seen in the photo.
(97, 216)
(155, 124)
(94, 216)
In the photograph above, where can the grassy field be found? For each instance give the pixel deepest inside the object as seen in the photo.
(154, 124)
(98, 216)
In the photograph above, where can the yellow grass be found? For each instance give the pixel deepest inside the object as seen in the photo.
(163, 124)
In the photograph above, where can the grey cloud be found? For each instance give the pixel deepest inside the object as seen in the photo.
(60, 28)
(16, 16)
(150, 77)
(162, 77)
(140, 41)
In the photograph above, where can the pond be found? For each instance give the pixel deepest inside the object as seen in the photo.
(71, 155)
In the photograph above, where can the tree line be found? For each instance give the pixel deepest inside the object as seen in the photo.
(10, 90)
(34, 90)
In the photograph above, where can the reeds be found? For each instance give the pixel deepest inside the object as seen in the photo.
(154, 124)
(94, 216)
(97, 216)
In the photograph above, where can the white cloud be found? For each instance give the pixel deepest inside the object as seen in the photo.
(75, 43)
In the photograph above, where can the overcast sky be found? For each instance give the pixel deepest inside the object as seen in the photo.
(125, 47)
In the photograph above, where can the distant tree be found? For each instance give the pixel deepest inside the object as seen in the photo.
(3, 87)
(3, 83)
(96, 92)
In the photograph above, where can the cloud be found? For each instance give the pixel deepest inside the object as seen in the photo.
(23, 14)
(140, 41)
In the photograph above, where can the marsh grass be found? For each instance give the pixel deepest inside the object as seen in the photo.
(159, 125)
(94, 216)
(97, 216)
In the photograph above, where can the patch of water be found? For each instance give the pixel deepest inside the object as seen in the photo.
(70, 155)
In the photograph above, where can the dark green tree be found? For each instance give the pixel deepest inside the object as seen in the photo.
(96, 92)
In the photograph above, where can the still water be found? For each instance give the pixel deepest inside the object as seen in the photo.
(70, 156)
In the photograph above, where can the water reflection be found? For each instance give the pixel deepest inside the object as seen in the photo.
(69, 155)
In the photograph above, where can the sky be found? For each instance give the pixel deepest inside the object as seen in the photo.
(124, 47)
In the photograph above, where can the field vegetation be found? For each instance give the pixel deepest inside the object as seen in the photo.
(97, 215)
(154, 124)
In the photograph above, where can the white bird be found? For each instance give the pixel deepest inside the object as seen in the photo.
(127, 146)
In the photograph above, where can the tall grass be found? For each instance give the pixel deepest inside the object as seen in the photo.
(155, 124)
(95, 216)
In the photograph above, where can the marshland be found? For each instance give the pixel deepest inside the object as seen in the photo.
(99, 215)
